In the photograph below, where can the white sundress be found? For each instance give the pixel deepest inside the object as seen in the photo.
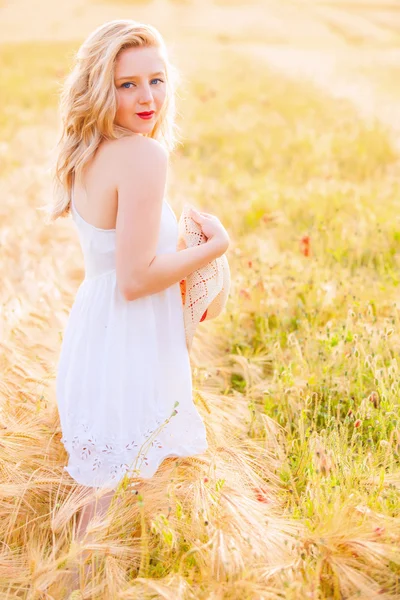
(123, 368)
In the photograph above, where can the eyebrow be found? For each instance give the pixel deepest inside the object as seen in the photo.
(135, 76)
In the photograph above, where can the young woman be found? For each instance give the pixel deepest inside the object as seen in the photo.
(124, 387)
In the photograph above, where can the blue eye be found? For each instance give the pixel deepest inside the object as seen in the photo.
(130, 82)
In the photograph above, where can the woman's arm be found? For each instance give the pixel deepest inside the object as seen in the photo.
(167, 269)
(141, 165)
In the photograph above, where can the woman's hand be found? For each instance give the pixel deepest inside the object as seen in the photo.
(213, 229)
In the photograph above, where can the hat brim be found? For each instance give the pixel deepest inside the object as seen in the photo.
(205, 291)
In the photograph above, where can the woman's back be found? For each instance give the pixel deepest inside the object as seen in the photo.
(98, 238)
(95, 196)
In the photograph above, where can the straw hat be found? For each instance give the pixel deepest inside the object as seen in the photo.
(205, 291)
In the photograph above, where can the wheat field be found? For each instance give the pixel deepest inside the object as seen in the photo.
(289, 113)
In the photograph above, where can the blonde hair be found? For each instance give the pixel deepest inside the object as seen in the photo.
(88, 103)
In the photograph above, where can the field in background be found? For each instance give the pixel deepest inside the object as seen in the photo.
(290, 119)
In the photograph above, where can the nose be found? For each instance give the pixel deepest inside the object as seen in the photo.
(146, 96)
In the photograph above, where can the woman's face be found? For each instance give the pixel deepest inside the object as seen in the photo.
(140, 81)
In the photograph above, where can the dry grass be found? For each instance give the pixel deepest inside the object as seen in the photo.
(298, 495)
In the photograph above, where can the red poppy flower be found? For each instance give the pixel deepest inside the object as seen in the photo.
(262, 495)
(305, 245)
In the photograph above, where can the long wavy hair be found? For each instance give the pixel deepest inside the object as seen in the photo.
(88, 104)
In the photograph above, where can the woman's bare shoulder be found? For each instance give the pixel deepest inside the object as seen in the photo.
(133, 146)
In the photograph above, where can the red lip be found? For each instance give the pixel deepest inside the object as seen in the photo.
(146, 114)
